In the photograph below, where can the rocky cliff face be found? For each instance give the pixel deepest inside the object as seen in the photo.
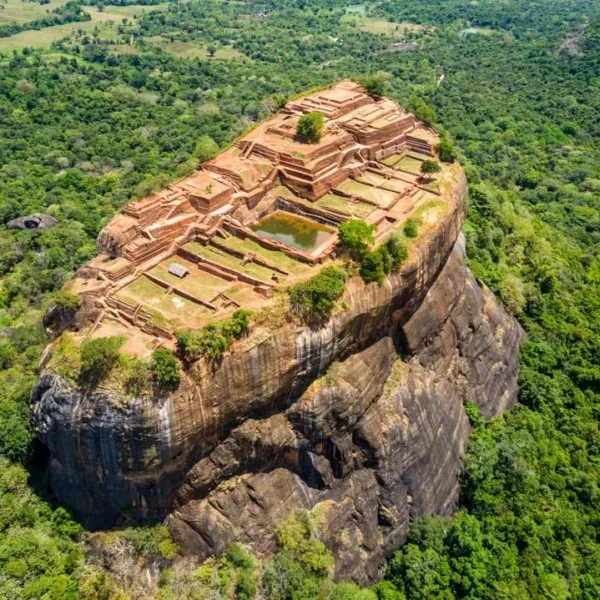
(360, 420)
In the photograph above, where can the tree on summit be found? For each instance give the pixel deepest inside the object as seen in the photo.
(310, 126)
(429, 167)
(375, 85)
(206, 149)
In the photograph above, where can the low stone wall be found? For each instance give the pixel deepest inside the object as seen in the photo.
(240, 255)
(202, 262)
(244, 233)
(308, 212)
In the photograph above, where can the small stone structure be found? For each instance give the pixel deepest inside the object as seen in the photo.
(178, 270)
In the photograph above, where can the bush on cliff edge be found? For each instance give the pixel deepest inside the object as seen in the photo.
(213, 339)
(383, 261)
(166, 368)
(356, 237)
(317, 296)
(98, 358)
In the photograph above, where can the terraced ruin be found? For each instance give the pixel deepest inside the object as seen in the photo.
(259, 216)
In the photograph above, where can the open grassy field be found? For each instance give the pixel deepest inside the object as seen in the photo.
(106, 21)
(220, 257)
(379, 26)
(116, 13)
(191, 49)
(476, 31)
(44, 37)
(359, 9)
(123, 49)
(18, 11)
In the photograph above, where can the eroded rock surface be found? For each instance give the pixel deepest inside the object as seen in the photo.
(35, 221)
(374, 443)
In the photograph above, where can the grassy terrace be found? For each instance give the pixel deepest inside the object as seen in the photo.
(394, 185)
(410, 164)
(356, 209)
(170, 309)
(205, 286)
(229, 260)
(200, 284)
(283, 261)
(377, 196)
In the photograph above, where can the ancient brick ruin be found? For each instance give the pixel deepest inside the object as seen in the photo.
(364, 166)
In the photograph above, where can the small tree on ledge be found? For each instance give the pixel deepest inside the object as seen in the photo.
(310, 126)
(374, 85)
(429, 167)
(357, 237)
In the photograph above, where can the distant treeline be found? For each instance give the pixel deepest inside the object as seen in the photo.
(71, 12)
(122, 2)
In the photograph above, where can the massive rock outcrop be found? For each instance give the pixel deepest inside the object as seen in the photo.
(359, 419)
(363, 417)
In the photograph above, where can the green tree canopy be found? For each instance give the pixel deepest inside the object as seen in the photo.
(206, 149)
(310, 126)
(429, 167)
(357, 237)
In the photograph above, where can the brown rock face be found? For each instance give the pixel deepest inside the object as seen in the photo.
(328, 419)
(374, 443)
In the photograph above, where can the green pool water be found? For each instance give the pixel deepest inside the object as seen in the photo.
(292, 230)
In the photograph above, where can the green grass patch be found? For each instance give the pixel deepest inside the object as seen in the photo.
(229, 260)
(66, 358)
(379, 26)
(17, 11)
(275, 257)
(366, 192)
(192, 49)
(409, 164)
(390, 161)
(106, 22)
(356, 209)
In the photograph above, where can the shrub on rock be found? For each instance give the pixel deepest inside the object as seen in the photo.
(372, 267)
(310, 126)
(374, 85)
(166, 368)
(317, 296)
(410, 229)
(386, 259)
(98, 357)
(213, 339)
(357, 237)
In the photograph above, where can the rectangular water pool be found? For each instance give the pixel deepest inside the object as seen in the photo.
(292, 230)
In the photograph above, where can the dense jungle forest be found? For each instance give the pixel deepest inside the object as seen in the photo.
(97, 118)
